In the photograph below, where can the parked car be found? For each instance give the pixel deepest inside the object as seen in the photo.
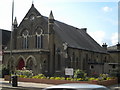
(77, 86)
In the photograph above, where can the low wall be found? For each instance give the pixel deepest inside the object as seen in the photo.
(49, 81)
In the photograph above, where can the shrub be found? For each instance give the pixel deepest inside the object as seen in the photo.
(79, 79)
(57, 78)
(79, 74)
(27, 73)
(103, 76)
(68, 78)
(52, 77)
(4, 71)
(22, 76)
(62, 78)
(40, 76)
(91, 79)
(108, 78)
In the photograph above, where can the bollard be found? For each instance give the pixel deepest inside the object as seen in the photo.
(14, 81)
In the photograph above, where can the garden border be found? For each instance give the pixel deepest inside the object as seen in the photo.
(50, 81)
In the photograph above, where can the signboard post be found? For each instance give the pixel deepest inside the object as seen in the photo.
(69, 71)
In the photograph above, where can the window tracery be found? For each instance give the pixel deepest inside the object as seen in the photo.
(39, 37)
(25, 39)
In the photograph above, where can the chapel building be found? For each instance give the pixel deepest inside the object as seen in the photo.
(45, 45)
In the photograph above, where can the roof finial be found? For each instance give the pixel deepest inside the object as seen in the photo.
(15, 21)
(51, 15)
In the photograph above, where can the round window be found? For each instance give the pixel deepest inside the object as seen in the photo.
(32, 17)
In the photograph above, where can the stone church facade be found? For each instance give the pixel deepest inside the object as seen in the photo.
(45, 45)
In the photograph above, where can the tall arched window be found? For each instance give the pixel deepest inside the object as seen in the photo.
(58, 59)
(39, 38)
(73, 59)
(38, 43)
(77, 63)
(25, 39)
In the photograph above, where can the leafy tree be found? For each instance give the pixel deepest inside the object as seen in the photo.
(4, 71)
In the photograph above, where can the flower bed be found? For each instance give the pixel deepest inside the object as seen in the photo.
(52, 81)
(78, 77)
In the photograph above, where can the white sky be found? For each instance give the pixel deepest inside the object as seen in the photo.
(100, 17)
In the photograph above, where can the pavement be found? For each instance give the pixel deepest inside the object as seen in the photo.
(115, 87)
(5, 85)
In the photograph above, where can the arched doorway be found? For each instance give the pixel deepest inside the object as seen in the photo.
(21, 64)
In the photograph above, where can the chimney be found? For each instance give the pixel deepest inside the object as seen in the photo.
(85, 29)
(104, 46)
(118, 46)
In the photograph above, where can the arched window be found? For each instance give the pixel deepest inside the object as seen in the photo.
(105, 60)
(29, 65)
(45, 65)
(25, 39)
(73, 59)
(58, 61)
(76, 63)
(38, 43)
(39, 38)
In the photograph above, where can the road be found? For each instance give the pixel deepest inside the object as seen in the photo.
(5, 85)
(20, 89)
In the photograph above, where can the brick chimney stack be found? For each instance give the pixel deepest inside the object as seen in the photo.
(118, 46)
(104, 46)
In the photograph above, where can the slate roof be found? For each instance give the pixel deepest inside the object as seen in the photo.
(113, 48)
(76, 38)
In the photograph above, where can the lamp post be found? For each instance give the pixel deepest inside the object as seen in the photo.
(11, 36)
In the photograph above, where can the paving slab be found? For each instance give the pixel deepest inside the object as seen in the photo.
(23, 85)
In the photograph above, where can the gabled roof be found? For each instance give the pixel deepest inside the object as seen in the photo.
(33, 11)
(74, 37)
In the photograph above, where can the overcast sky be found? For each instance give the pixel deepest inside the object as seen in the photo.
(100, 17)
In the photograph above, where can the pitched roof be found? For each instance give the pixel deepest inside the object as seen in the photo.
(113, 48)
(74, 37)
(77, 38)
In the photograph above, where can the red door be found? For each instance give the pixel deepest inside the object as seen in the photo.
(21, 64)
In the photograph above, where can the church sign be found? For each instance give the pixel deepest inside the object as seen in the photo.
(68, 71)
